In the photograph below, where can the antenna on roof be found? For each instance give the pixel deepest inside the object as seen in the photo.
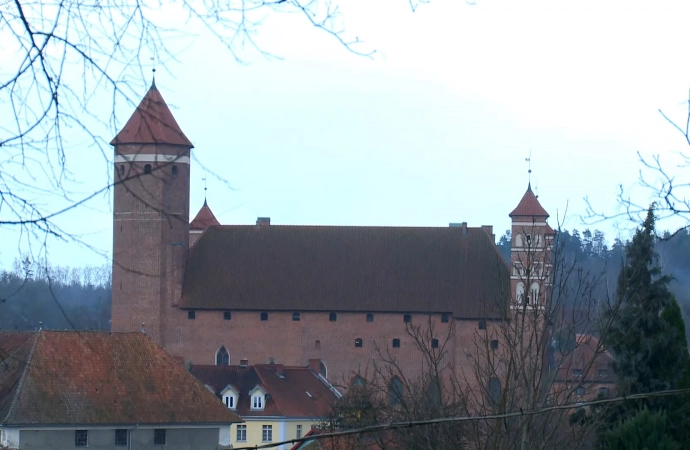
(205, 188)
(153, 71)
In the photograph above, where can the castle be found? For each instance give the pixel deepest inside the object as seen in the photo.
(328, 296)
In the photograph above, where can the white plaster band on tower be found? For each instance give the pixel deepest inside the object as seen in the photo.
(152, 158)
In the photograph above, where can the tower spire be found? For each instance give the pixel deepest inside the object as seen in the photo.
(205, 189)
(529, 170)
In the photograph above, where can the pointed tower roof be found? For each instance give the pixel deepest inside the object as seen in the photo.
(529, 206)
(204, 219)
(152, 123)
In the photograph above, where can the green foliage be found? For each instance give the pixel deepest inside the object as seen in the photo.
(645, 430)
(647, 337)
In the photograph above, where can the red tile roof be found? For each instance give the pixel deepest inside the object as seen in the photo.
(152, 123)
(287, 394)
(204, 219)
(101, 378)
(322, 268)
(529, 206)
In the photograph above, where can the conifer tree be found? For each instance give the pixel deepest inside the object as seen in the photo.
(647, 338)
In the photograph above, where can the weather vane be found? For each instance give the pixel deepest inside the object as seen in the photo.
(205, 188)
(529, 167)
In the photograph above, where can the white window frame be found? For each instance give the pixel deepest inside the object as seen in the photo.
(257, 401)
(267, 433)
(241, 432)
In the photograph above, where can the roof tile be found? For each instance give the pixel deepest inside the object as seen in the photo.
(529, 206)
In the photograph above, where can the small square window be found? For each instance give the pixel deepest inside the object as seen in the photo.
(370, 317)
(434, 343)
(295, 317)
(580, 391)
(227, 315)
(407, 318)
(159, 436)
(396, 343)
(494, 344)
(81, 438)
(577, 373)
(482, 324)
(191, 315)
(358, 342)
(444, 318)
(241, 433)
(604, 391)
(264, 316)
(333, 317)
(120, 438)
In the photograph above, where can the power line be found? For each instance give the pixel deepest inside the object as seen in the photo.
(417, 423)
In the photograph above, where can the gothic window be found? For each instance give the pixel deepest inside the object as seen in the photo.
(534, 292)
(358, 342)
(174, 171)
(518, 240)
(395, 391)
(222, 357)
(370, 317)
(323, 370)
(147, 169)
(396, 343)
(520, 293)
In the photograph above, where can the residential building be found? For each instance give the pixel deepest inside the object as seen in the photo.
(101, 390)
(276, 402)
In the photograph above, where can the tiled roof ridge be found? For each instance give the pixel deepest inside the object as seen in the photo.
(412, 227)
(20, 384)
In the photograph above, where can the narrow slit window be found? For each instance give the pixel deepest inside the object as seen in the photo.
(174, 171)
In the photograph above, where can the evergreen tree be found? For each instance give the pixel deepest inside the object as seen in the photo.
(645, 430)
(647, 337)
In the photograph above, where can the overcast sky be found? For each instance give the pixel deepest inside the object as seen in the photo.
(435, 128)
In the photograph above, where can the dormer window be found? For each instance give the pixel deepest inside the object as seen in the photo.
(230, 396)
(258, 398)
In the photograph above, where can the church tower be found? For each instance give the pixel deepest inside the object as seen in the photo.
(150, 217)
(531, 253)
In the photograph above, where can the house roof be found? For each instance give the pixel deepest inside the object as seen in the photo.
(99, 378)
(328, 268)
(287, 393)
(204, 219)
(529, 206)
(152, 123)
(588, 357)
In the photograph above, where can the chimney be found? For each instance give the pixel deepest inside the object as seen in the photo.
(464, 228)
(490, 231)
(263, 221)
(244, 362)
(315, 365)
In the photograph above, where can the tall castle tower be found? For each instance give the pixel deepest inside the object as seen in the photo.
(151, 217)
(531, 253)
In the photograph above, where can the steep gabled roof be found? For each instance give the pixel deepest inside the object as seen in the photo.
(529, 206)
(365, 269)
(204, 219)
(101, 378)
(152, 123)
(293, 392)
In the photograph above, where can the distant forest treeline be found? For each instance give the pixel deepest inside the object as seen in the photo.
(55, 297)
(66, 298)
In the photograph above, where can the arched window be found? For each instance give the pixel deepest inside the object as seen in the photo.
(147, 169)
(534, 293)
(518, 240)
(520, 293)
(222, 357)
(395, 391)
(323, 370)
(174, 170)
(122, 170)
(357, 382)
